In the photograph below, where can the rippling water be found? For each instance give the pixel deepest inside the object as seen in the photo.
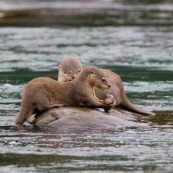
(141, 55)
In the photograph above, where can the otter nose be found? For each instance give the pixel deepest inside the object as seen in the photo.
(74, 75)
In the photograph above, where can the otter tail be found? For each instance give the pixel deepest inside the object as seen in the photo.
(126, 104)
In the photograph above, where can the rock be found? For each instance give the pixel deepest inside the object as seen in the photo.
(75, 119)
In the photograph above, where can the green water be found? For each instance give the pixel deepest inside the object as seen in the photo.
(132, 39)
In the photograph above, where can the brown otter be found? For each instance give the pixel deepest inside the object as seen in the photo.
(70, 68)
(44, 93)
(116, 89)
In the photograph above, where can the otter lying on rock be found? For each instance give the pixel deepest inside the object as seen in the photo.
(68, 69)
(42, 94)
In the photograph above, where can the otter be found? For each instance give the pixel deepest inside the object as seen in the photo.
(43, 93)
(116, 89)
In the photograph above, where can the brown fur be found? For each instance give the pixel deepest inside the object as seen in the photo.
(117, 89)
(44, 93)
(70, 68)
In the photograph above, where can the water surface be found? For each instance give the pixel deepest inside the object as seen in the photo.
(141, 55)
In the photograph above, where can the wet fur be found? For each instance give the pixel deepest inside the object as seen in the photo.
(71, 67)
(44, 93)
(117, 88)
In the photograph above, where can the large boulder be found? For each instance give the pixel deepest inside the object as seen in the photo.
(85, 119)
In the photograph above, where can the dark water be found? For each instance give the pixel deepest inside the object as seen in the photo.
(132, 39)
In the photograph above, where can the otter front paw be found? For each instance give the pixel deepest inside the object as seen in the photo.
(109, 103)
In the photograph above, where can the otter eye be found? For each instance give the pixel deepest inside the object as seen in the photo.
(68, 72)
(79, 70)
(93, 72)
(103, 79)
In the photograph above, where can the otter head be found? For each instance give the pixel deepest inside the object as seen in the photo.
(99, 81)
(96, 78)
(69, 69)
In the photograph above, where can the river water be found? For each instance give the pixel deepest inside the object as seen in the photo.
(132, 39)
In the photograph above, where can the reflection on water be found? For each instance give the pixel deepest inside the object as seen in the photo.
(141, 55)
